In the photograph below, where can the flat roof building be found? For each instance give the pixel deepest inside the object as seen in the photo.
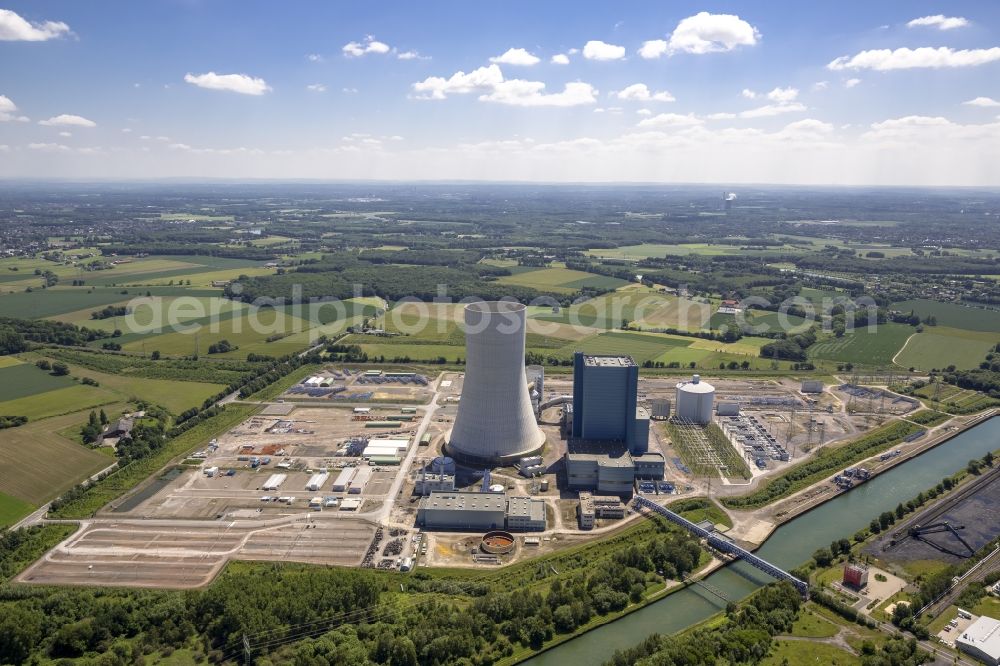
(605, 391)
(478, 511)
(525, 514)
(981, 640)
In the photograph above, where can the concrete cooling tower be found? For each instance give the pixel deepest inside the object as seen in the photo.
(495, 423)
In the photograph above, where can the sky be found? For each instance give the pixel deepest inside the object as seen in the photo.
(841, 93)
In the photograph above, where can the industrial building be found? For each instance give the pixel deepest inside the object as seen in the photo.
(430, 483)
(536, 385)
(480, 511)
(343, 480)
(727, 408)
(604, 401)
(811, 386)
(981, 639)
(360, 480)
(596, 506)
(694, 401)
(495, 423)
(608, 467)
(856, 576)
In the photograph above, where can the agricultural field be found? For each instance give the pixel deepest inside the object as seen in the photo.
(941, 346)
(149, 314)
(863, 347)
(629, 303)
(59, 300)
(24, 380)
(36, 463)
(953, 315)
(164, 269)
(52, 403)
(955, 400)
(561, 280)
(175, 396)
(646, 250)
(12, 510)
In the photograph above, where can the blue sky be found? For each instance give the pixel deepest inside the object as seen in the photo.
(784, 92)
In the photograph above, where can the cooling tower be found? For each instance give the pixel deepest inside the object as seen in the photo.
(495, 423)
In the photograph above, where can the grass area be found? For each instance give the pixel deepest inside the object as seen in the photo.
(60, 401)
(271, 391)
(640, 346)
(9, 361)
(809, 625)
(13, 509)
(24, 380)
(42, 303)
(928, 417)
(940, 346)
(126, 478)
(953, 314)
(808, 653)
(955, 400)
(561, 280)
(827, 461)
(646, 250)
(699, 509)
(151, 314)
(36, 463)
(863, 347)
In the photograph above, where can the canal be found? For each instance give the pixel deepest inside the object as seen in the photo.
(789, 546)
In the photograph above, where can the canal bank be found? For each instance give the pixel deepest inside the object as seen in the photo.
(791, 545)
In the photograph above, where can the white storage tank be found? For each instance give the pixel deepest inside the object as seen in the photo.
(694, 401)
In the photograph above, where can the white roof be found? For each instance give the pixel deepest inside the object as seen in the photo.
(695, 386)
(984, 636)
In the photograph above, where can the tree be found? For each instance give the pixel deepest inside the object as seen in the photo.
(823, 557)
(43, 364)
(155, 355)
(104, 418)
(60, 369)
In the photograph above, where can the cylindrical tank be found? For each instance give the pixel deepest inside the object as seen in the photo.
(495, 423)
(694, 400)
(442, 465)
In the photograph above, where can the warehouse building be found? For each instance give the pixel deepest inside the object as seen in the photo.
(478, 511)
(982, 640)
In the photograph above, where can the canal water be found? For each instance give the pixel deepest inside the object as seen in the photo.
(789, 546)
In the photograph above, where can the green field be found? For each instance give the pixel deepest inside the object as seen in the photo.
(12, 510)
(941, 346)
(176, 396)
(36, 463)
(862, 346)
(808, 653)
(52, 403)
(561, 280)
(952, 314)
(42, 303)
(632, 303)
(23, 380)
(640, 346)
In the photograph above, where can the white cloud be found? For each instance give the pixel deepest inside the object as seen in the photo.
(238, 83)
(411, 55)
(516, 92)
(769, 110)
(127, 130)
(316, 87)
(560, 59)
(850, 83)
(640, 92)
(65, 134)
(595, 49)
(349, 91)
(14, 28)
(982, 101)
(7, 111)
(370, 45)
(653, 48)
(4, 148)
(808, 126)
(516, 56)
(749, 94)
(314, 57)
(925, 56)
(940, 21)
(783, 95)
(721, 116)
(67, 119)
(821, 85)
(489, 82)
(481, 79)
(671, 120)
(48, 147)
(711, 33)
(644, 112)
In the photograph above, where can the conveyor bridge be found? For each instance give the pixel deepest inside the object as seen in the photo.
(725, 545)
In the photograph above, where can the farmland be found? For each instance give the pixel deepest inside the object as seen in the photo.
(863, 346)
(23, 380)
(36, 463)
(941, 346)
(561, 280)
(12, 510)
(58, 300)
(952, 314)
(60, 401)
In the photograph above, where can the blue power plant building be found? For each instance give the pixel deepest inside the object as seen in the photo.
(604, 402)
